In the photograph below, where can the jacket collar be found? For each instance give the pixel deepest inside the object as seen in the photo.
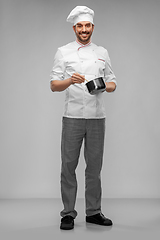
(80, 45)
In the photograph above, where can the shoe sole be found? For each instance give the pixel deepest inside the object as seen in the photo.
(66, 228)
(98, 223)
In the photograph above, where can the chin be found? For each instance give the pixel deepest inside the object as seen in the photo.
(85, 40)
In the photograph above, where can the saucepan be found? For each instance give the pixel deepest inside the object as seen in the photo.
(96, 85)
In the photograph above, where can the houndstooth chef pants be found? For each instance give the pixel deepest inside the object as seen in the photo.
(74, 131)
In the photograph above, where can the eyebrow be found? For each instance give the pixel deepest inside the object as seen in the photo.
(79, 24)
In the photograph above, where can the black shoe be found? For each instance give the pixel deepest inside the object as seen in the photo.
(67, 223)
(99, 219)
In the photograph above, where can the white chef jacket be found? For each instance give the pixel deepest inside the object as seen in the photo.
(89, 60)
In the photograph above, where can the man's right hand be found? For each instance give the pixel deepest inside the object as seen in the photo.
(77, 78)
(58, 85)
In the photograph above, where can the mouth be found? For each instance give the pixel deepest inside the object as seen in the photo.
(84, 35)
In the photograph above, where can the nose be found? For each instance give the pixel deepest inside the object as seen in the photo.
(84, 29)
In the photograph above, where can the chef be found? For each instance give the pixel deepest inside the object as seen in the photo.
(84, 116)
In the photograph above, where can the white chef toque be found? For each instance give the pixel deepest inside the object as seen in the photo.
(79, 14)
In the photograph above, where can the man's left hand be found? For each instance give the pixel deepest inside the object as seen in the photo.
(110, 86)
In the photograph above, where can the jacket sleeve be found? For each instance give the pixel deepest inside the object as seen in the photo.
(108, 72)
(58, 69)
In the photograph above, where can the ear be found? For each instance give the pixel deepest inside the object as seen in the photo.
(92, 26)
(74, 28)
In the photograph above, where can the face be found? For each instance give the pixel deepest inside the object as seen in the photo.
(83, 31)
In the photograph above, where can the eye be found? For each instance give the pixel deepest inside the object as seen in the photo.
(79, 26)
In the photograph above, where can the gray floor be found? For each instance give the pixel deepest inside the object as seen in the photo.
(39, 219)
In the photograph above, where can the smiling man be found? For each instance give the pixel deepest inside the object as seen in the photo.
(83, 31)
(84, 116)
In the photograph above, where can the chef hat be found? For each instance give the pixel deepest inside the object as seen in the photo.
(80, 13)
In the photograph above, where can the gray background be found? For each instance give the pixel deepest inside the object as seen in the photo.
(30, 122)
